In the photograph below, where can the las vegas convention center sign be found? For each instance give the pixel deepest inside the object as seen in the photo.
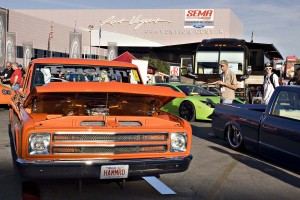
(199, 21)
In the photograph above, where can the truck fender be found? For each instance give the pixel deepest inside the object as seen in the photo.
(17, 136)
(11, 113)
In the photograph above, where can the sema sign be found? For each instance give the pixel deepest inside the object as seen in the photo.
(199, 18)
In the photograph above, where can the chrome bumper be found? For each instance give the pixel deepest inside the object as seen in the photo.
(92, 168)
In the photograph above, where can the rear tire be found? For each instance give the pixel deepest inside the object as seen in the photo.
(234, 137)
(187, 111)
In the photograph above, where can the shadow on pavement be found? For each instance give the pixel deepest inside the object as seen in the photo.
(206, 133)
(263, 167)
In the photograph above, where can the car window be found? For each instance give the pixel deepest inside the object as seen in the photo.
(287, 105)
(192, 89)
(44, 73)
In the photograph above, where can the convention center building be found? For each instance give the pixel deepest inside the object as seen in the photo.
(107, 33)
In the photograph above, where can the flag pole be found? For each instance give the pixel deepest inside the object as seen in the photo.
(51, 38)
(99, 41)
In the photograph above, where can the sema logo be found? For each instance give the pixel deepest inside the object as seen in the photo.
(199, 18)
(199, 25)
(199, 14)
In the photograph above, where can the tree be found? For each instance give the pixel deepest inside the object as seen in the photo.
(161, 66)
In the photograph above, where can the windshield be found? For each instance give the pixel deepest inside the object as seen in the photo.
(191, 90)
(207, 61)
(94, 104)
(44, 73)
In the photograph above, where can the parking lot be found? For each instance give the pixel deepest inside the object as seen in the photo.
(216, 172)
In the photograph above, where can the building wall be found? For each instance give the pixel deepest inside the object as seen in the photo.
(125, 27)
(233, 24)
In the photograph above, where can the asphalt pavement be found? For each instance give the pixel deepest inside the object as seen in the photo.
(216, 172)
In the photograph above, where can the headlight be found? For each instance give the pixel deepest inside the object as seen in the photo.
(39, 143)
(178, 142)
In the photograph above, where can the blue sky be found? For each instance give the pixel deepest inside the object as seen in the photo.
(272, 21)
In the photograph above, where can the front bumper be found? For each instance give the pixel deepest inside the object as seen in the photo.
(92, 168)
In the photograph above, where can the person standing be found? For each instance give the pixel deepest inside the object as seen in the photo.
(6, 74)
(22, 70)
(296, 79)
(228, 84)
(16, 77)
(270, 83)
(47, 74)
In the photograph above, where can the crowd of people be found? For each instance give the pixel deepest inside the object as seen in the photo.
(228, 82)
(12, 75)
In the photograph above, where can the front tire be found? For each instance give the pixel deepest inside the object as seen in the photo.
(187, 111)
(234, 137)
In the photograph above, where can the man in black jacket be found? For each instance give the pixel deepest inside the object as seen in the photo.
(6, 74)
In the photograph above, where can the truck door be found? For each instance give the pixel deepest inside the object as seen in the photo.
(279, 132)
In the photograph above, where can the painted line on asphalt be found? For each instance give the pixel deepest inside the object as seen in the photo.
(158, 185)
(218, 184)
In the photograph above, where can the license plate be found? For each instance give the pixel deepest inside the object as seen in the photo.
(114, 171)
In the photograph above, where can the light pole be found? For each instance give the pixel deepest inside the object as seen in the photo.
(91, 27)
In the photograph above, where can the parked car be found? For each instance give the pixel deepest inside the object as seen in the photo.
(5, 95)
(197, 105)
(271, 130)
(107, 127)
(212, 89)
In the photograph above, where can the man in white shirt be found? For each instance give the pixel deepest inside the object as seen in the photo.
(228, 84)
(47, 74)
(270, 83)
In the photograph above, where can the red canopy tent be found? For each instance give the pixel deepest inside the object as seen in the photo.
(128, 57)
(125, 57)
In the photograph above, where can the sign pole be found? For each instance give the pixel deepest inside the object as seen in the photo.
(99, 41)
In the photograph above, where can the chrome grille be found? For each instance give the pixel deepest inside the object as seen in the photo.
(109, 149)
(124, 137)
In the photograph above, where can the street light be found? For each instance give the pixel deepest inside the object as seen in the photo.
(91, 27)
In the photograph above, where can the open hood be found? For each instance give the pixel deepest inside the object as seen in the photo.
(112, 98)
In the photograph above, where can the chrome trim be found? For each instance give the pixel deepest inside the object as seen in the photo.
(111, 150)
(110, 133)
(97, 160)
(110, 137)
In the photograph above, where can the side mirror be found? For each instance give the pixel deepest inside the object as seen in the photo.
(244, 77)
(248, 70)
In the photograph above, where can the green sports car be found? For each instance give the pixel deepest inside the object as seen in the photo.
(198, 103)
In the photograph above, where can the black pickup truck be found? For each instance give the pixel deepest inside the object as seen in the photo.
(272, 130)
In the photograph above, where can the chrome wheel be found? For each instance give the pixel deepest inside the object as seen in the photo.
(234, 137)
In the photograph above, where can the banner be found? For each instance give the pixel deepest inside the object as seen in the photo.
(174, 72)
(75, 45)
(112, 50)
(27, 53)
(3, 28)
(199, 18)
(11, 47)
(143, 68)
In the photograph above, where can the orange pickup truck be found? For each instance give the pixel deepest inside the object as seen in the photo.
(77, 118)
